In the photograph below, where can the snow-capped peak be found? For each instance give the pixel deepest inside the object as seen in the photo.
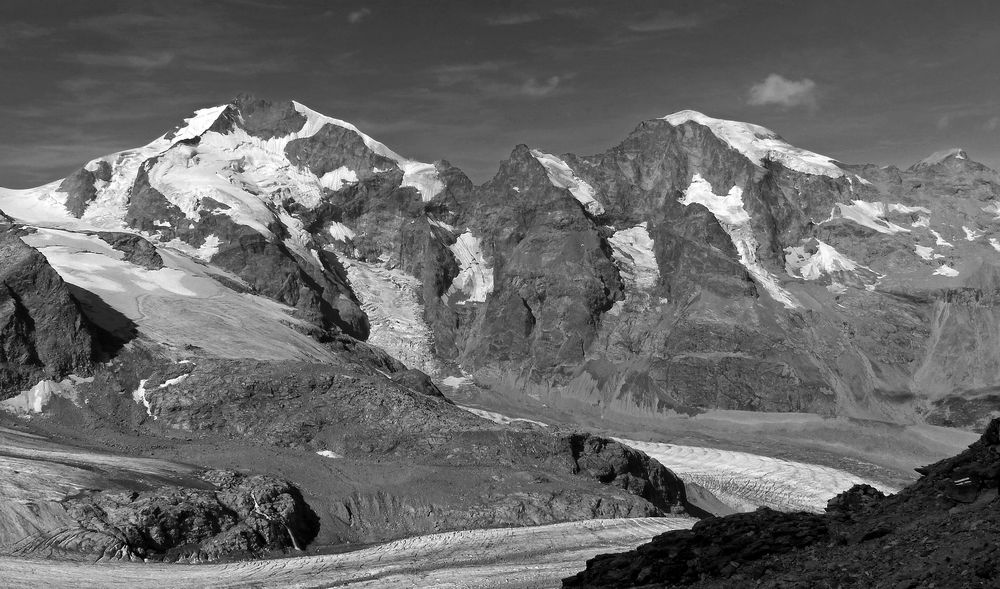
(202, 120)
(939, 156)
(759, 143)
(421, 176)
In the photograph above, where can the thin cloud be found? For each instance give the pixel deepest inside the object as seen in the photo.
(141, 61)
(666, 21)
(539, 88)
(15, 32)
(514, 18)
(780, 91)
(944, 122)
(992, 124)
(356, 16)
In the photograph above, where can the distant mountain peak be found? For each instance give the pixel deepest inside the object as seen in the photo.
(941, 156)
(759, 143)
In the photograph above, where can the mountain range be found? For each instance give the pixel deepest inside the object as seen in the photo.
(282, 301)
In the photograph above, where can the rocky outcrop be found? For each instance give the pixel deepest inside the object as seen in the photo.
(135, 248)
(236, 515)
(81, 186)
(942, 531)
(43, 334)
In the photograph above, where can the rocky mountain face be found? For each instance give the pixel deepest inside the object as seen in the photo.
(939, 532)
(698, 264)
(43, 333)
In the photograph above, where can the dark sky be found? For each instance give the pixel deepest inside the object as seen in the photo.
(878, 81)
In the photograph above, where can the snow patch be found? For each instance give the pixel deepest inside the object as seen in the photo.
(995, 243)
(455, 382)
(729, 211)
(139, 396)
(826, 260)
(340, 232)
(208, 248)
(759, 143)
(328, 454)
(926, 252)
(971, 234)
(871, 215)
(562, 176)
(632, 250)
(335, 179)
(993, 208)
(474, 279)
(940, 240)
(499, 417)
(172, 381)
(946, 270)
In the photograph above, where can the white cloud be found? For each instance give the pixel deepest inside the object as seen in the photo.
(358, 15)
(776, 89)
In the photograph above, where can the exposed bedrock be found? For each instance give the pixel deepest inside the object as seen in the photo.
(236, 515)
(43, 333)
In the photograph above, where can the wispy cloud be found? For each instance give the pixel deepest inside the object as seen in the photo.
(496, 79)
(780, 91)
(15, 32)
(140, 61)
(992, 124)
(538, 88)
(666, 21)
(356, 16)
(513, 18)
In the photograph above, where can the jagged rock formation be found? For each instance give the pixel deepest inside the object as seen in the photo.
(942, 531)
(43, 334)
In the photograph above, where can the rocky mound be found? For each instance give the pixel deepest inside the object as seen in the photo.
(236, 516)
(942, 531)
(43, 333)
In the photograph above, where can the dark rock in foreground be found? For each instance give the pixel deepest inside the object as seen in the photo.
(942, 531)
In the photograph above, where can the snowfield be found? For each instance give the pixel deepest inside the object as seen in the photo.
(759, 143)
(180, 304)
(562, 176)
(734, 219)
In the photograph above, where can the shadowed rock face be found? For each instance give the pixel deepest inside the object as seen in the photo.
(42, 331)
(941, 531)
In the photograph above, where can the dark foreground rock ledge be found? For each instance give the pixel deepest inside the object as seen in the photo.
(942, 531)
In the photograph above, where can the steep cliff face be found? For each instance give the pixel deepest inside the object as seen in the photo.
(43, 333)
